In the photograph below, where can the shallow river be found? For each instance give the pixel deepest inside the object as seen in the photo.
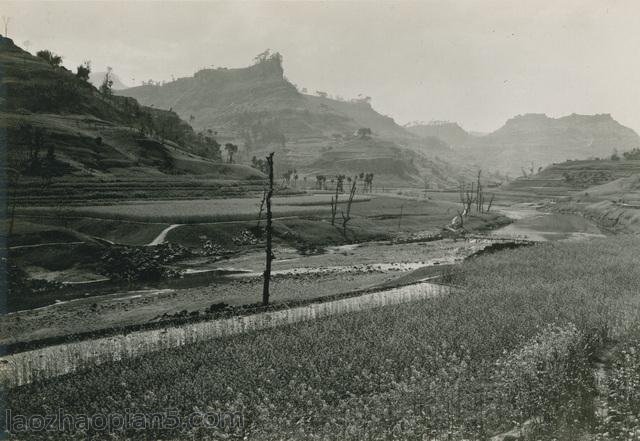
(540, 226)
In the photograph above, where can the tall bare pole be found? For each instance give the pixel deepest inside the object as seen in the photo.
(6, 21)
(268, 250)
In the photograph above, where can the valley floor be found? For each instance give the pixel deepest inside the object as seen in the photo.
(510, 350)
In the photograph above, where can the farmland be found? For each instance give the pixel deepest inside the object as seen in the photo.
(468, 365)
(201, 210)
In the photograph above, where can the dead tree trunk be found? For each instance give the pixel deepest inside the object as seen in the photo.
(264, 197)
(479, 193)
(467, 198)
(461, 217)
(346, 218)
(334, 207)
(268, 248)
(490, 202)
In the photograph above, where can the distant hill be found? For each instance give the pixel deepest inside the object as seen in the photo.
(259, 109)
(391, 164)
(257, 104)
(541, 140)
(59, 125)
(449, 132)
(97, 78)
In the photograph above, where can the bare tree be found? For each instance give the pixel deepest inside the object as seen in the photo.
(347, 217)
(268, 248)
(105, 87)
(6, 21)
(490, 202)
(467, 198)
(334, 207)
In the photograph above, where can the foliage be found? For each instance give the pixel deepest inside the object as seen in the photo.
(582, 178)
(231, 150)
(364, 132)
(632, 154)
(622, 402)
(51, 58)
(83, 71)
(33, 153)
(259, 164)
(107, 82)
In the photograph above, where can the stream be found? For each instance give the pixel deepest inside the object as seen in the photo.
(540, 226)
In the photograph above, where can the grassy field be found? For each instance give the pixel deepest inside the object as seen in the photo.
(204, 210)
(517, 343)
(305, 219)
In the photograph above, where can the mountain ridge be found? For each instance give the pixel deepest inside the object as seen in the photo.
(542, 140)
(233, 101)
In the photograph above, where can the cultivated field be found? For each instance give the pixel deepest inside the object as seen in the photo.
(515, 345)
(202, 210)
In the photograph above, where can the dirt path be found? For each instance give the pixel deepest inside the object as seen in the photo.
(160, 238)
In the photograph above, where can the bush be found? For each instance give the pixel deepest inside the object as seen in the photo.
(51, 58)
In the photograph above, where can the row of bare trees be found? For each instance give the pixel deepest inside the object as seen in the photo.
(338, 180)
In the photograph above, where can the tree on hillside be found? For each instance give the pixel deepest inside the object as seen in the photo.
(6, 20)
(364, 132)
(51, 58)
(259, 164)
(231, 150)
(262, 56)
(105, 87)
(212, 148)
(615, 156)
(632, 154)
(83, 71)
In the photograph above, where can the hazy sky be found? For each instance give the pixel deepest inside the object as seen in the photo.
(475, 62)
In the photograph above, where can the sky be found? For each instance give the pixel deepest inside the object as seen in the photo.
(478, 63)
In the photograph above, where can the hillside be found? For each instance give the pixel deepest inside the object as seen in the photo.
(257, 104)
(59, 127)
(540, 140)
(260, 110)
(391, 164)
(449, 132)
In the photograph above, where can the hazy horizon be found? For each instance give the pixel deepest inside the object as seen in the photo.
(475, 63)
